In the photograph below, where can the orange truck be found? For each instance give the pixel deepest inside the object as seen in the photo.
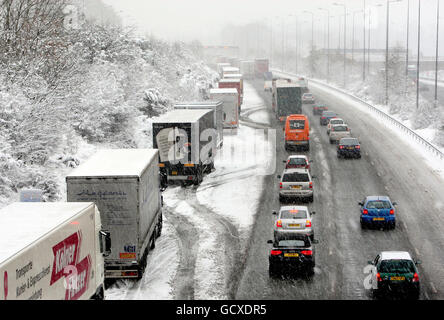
(297, 132)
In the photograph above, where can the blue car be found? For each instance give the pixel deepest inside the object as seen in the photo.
(378, 211)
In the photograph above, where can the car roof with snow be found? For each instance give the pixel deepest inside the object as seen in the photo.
(376, 198)
(233, 75)
(395, 255)
(296, 170)
(294, 208)
(24, 223)
(297, 156)
(336, 119)
(116, 163)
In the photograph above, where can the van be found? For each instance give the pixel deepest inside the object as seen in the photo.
(297, 132)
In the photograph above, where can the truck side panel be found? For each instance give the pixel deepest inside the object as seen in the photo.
(38, 271)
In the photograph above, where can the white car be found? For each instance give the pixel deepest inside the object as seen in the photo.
(297, 162)
(296, 183)
(332, 122)
(308, 98)
(339, 131)
(293, 220)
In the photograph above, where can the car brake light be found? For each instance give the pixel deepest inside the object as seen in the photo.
(276, 252)
(323, 118)
(358, 147)
(311, 185)
(415, 277)
(280, 185)
(341, 147)
(308, 224)
(279, 223)
(392, 211)
(365, 211)
(378, 277)
(307, 166)
(307, 252)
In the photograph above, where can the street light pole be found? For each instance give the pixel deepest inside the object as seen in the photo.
(387, 50)
(328, 43)
(436, 56)
(312, 37)
(418, 53)
(345, 40)
(353, 37)
(363, 49)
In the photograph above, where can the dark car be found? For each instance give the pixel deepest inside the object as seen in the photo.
(325, 116)
(395, 273)
(292, 253)
(349, 147)
(319, 108)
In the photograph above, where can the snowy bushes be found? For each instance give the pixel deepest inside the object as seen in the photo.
(91, 87)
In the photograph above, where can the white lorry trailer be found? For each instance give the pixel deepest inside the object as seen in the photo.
(187, 145)
(230, 98)
(218, 112)
(52, 251)
(247, 68)
(125, 185)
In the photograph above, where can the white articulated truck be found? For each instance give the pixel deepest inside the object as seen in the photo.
(230, 98)
(52, 251)
(125, 185)
(187, 144)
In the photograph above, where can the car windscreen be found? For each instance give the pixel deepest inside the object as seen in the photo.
(292, 243)
(336, 121)
(297, 124)
(339, 128)
(296, 177)
(349, 142)
(308, 95)
(396, 266)
(293, 214)
(378, 204)
(298, 161)
(329, 114)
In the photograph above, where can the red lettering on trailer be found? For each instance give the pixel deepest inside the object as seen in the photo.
(65, 254)
(5, 284)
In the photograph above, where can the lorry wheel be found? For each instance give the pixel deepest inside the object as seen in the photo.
(153, 242)
(159, 227)
(100, 294)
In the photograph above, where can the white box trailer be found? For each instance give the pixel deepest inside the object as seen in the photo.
(230, 70)
(220, 67)
(52, 251)
(230, 98)
(247, 68)
(218, 113)
(185, 150)
(125, 185)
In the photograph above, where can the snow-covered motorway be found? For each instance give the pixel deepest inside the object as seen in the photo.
(388, 166)
(215, 241)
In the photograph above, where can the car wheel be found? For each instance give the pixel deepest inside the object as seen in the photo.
(311, 199)
(331, 141)
(363, 226)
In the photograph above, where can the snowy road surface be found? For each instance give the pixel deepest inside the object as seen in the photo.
(214, 243)
(207, 229)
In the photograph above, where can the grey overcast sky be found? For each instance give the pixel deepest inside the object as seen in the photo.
(204, 19)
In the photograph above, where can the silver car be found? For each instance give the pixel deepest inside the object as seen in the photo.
(332, 122)
(293, 220)
(339, 131)
(296, 184)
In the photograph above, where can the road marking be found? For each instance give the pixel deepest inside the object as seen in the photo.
(378, 174)
(434, 291)
(426, 295)
(373, 164)
(386, 188)
(405, 226)
(330, 252)
(416, 251)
